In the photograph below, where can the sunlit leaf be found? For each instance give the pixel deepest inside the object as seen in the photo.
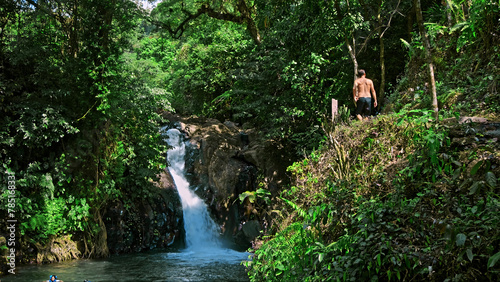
(321, 257)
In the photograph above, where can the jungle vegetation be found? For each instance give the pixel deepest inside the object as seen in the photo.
(83, 83)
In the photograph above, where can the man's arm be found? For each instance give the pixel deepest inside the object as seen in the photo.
(374, 94)
(354, 96)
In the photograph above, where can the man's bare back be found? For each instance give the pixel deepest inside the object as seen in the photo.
(363, 88)
(364, 85)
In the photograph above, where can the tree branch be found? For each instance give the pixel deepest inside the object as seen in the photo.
(378, 28)
(245, 17)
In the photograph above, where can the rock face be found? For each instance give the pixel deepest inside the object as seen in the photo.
(472, 132)
(147, 224)
(224, 161)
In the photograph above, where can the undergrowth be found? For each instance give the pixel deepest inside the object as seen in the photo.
(388, 200)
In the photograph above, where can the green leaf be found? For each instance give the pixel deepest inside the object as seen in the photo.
(473, 188)
(457, 173)
(469, 253)
(262, 192)
(475, 168)
(405, 43)
(250, 195)
(493, 259)
(460, 239)
(491, 179)
(474, 209)
(321, 257)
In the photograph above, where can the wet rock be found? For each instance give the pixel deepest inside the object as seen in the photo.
(465, 120)
(251, 230)
(493, 133)
(144, 225)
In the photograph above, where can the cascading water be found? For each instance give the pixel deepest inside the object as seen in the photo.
(202, 239)
(201, 230)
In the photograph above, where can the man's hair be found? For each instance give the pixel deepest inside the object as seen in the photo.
(361, 73)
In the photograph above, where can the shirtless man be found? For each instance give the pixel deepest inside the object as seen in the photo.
(362, 92)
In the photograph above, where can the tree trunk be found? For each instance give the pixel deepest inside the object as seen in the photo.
(251, 26)
(350, 48)
(428, 57)
(448, 13)
(74, 28)
(382, 57)
(107, 17)
(410, 23)
(352, 53)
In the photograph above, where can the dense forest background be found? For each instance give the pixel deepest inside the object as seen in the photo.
(83, 83)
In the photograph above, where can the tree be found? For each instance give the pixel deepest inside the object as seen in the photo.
(345, 16)
(428, 57)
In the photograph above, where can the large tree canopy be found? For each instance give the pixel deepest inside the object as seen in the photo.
(176, 15)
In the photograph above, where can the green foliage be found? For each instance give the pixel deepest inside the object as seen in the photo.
(80, 113)
(284, 86)
(82, 84)
(53, 217)
(252, 196)
(370, 224)
(200, 71)
(285, 257)
(343, 115)
(466, 79)
(428, 136)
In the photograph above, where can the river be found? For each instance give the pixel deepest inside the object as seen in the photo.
(204, 258)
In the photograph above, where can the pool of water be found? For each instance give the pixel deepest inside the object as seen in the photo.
(212, 265)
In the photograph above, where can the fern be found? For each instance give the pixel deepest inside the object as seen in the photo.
(298, 209)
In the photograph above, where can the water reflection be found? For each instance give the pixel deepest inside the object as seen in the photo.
(149, 266)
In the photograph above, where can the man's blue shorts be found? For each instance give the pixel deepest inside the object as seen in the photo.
(364, 106)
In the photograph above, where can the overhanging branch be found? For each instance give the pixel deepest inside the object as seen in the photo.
(212, 13)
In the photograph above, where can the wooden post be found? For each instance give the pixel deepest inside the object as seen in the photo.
(335, 105)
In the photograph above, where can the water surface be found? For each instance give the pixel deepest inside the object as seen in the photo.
(149, 266)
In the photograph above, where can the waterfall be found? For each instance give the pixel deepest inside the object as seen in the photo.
(201, 230)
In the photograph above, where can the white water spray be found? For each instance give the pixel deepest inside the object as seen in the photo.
(201, 230)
